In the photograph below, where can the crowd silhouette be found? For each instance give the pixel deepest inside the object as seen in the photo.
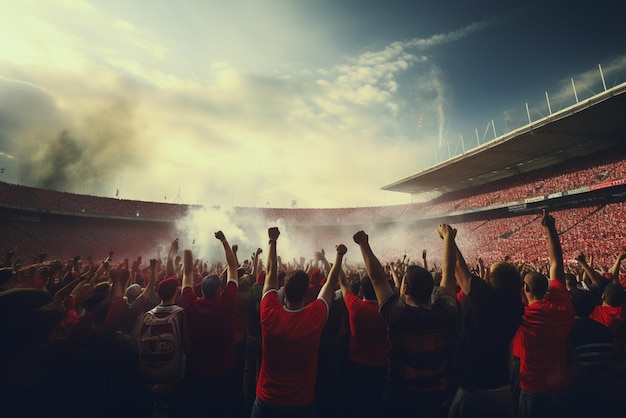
(529, 335)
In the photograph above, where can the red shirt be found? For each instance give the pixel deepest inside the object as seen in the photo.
(541, 339)
(290, 342)
(368, 332)
(607, 314)
(211, 326)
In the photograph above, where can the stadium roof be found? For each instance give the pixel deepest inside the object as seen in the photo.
(585, 128)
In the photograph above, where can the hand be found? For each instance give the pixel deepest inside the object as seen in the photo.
(360, 238)
(153, 263)
(258, 251)
(446, 231)
(341, 249)
(235, 248)
(424, 254)
(220, 235)
(273, 232)
(580, 257)
(547, 220)
(174, 246)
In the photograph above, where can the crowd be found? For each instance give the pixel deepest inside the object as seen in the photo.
(372, 335)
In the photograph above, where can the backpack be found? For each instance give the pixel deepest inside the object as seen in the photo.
(161, 353)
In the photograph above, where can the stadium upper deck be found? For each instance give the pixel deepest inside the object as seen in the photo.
(582, 129)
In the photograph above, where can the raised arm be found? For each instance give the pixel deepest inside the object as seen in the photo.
(187, 270)
(328, 290)
(555, 252)
(461, 271)
(373, 267)
(149, 288)
(593, 276)
(271, 275)
(615, 268)
(255, 262)
(424, 261)
(397, 280)
(344, 284)
(325, 263)
(169, 266)
(447, 233)
(231, 257)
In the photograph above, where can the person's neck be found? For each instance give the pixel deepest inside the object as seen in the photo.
(410, 301)
(168, 302)
(294, 306)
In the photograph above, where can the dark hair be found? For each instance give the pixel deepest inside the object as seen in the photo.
(537, 284)
(505, 278)
(419, 283)
(354, 282)
(614, 295)
(368, 288)
(210, 286)
(570, 280)
(296, 286)
(583, 302)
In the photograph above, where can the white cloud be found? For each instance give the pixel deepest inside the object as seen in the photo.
(223, 134)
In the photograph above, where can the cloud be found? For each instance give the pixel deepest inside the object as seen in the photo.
(114, 112)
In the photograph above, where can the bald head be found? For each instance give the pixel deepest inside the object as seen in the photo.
(536, 284)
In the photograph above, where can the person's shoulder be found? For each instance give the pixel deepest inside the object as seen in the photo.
(446, 301)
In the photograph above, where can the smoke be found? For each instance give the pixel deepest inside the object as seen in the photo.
(92, 153)
(247, 228)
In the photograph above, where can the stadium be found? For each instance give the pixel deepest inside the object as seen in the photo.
(571, 162)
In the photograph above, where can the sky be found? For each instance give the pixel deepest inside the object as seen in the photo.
(281, 103)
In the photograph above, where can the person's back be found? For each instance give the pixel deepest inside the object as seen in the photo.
(491, 313)
(210, 322)
(161, 345)
(367, 351)
(420, 333)
(290, 344)
(291, 336)
(591, 341)
(542, 336)
(489, 321)
(546, 324)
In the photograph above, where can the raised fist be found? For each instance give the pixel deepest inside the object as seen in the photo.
(446, 230)
(580, 257)
(273, 232)
(341, 249)
(220, 235)
(547, 220)
(360, 238)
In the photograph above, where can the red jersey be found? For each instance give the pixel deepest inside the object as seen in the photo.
(540, 341)
(290, 342)
(211, 326)
(607, 314)
(368, 332)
